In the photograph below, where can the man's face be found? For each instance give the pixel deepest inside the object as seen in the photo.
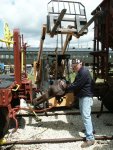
(76, 67)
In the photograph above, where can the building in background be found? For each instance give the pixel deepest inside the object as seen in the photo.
(7, 56)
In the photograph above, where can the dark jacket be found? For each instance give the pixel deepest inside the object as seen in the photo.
(83, 84)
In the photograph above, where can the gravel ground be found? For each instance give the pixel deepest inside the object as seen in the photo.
(62, 126)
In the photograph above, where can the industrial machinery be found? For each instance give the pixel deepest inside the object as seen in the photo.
(102, 68)
(14, 87)
(103, 44)
(69, 18)
(64, 18)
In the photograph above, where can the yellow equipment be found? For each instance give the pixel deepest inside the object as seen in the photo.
(7, 36)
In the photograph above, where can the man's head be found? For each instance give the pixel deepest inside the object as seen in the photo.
(76, 65)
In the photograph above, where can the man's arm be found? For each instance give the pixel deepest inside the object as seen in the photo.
(79, 83)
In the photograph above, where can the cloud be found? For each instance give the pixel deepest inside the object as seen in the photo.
(30, 15)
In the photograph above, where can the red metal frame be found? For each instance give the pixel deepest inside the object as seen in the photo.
(17, 55)
(6, 95)
(12, 92)
(25, 89)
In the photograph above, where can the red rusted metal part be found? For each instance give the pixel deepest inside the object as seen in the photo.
(17, 55)
(103, 43)
(103, 39)
(12, 114)
(6, 95)
(26, 89)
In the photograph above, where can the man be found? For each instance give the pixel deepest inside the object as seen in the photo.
(83, 86)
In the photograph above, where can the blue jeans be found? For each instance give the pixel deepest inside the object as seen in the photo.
(85, 104)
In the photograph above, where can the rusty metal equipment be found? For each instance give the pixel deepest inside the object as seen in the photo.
(58, 140)
(64, 17)
(102, 68)
(14, 87)
(103, 44)
(72, 22)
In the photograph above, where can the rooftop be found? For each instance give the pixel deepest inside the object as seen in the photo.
(49, 49)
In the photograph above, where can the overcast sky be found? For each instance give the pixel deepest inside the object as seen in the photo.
(30, 15)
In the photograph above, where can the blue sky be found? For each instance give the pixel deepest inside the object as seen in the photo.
(30, 15)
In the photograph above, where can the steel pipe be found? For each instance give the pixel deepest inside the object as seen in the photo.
(60, 140)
